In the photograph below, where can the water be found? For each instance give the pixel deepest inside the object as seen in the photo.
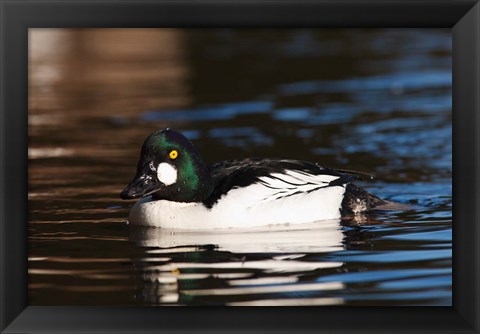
(373, 100)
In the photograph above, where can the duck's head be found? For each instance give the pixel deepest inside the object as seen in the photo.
(170, 168)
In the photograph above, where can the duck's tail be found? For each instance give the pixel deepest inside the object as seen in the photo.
(357, 200)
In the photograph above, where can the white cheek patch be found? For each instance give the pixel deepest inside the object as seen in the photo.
(166, 173)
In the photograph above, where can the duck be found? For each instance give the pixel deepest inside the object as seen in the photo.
(176, 189)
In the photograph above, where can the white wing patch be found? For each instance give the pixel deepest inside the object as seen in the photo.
(289, 197)
(278, 185)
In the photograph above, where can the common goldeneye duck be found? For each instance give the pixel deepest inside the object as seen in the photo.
(178, 190)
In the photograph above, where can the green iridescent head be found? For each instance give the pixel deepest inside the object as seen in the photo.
(170, 167)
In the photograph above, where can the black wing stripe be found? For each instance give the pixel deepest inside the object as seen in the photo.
(290, 183)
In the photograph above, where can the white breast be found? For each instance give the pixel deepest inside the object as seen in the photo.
(290, 198)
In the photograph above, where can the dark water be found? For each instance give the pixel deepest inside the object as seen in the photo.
(373, 100)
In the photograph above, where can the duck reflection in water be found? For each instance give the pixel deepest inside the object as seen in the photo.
(200, 266)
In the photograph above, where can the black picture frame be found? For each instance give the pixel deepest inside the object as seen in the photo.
(16, 16)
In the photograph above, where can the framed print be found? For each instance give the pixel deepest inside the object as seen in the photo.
(321, 157)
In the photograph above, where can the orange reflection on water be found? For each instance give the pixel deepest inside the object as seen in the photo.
(95, 71)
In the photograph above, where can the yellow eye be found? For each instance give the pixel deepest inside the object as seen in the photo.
(173, 154)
